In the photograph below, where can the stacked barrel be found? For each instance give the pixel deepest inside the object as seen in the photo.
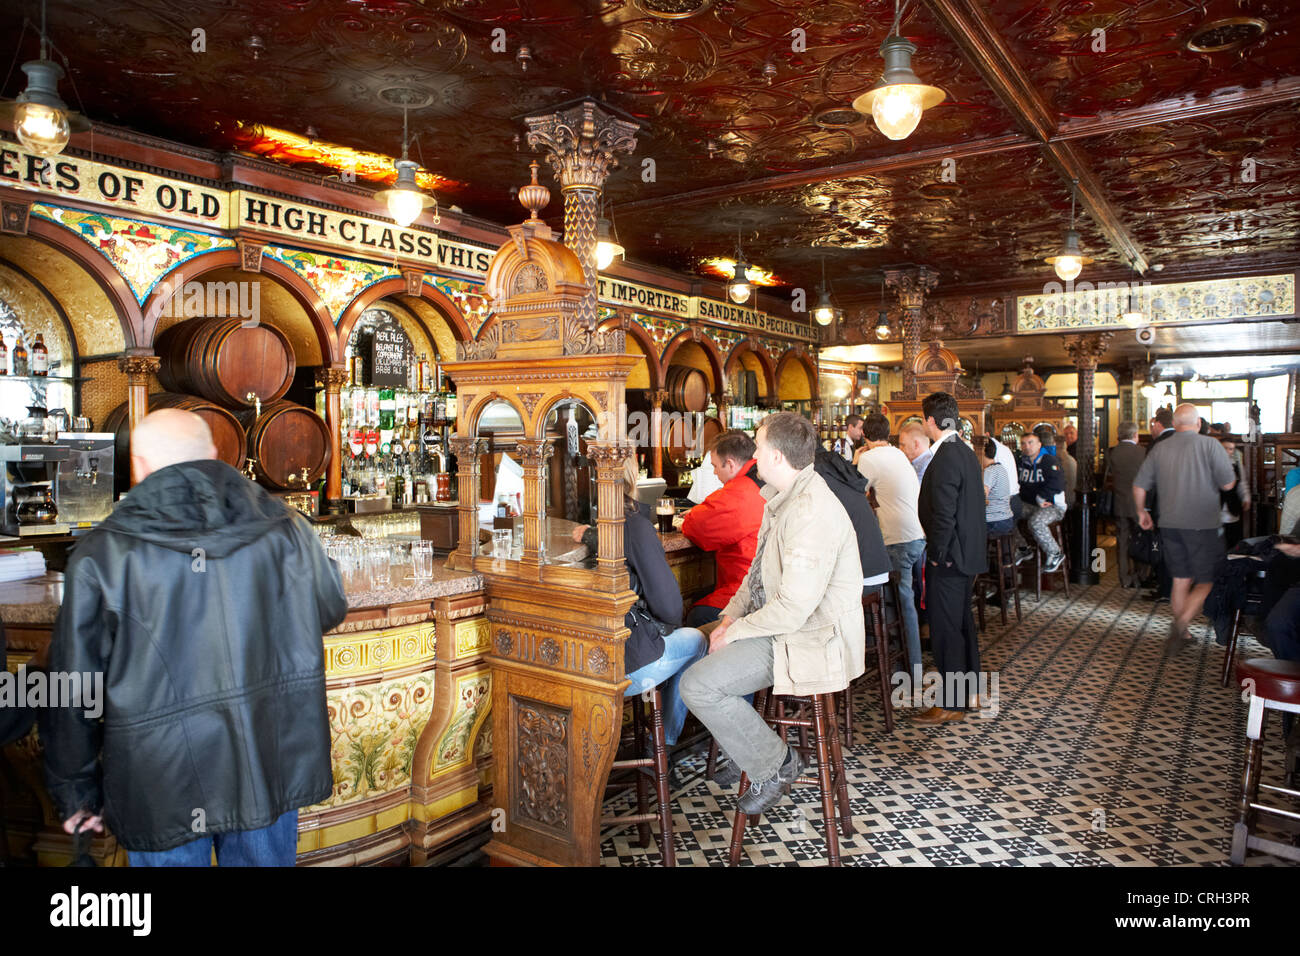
(225, 371)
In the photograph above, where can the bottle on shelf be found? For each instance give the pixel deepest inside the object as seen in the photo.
(20, 358)
(40, 357)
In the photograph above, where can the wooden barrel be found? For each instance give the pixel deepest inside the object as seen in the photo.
(688, 389)
(285, 439)
(223, 361)
(227, 432)
(685, 437)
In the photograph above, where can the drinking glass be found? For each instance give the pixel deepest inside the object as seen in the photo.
(665, 509)
(422, 561)
(399, 564)
(501, 543)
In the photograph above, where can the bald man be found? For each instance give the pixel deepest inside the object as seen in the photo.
(915, 444)
(201, 600)
(1189, 470)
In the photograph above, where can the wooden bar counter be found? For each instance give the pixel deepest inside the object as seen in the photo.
(408, 694)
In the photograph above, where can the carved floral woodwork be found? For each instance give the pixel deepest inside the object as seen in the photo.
(911, 285)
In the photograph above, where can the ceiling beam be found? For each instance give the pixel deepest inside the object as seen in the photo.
(1272, 93)
(974, 33)
(881, 164)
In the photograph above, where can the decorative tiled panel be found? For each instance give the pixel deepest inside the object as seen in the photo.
(373, 732)
(143, 252)
(1219, 300)
(336, 280)
(348, 654)
(473, 701)
(469, 297)
(473, 636)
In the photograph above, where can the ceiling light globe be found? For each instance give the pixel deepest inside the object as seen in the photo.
(404, 205)
(739, 292)
(824, 315)
(1068, 267)
(897, 110)
(42, 129)
(1133, 318)
(605, 253)
(1150, 390)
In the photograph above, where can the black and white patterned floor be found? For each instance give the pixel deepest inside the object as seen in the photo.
(1103, 752)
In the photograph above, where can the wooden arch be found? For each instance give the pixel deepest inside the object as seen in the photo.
(800, 357)
(711, 350)
(293, 283)
(765, 362)
(396, 288)
(637, 331)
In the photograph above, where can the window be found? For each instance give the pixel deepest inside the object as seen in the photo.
(1225, 388)
(1270, 395)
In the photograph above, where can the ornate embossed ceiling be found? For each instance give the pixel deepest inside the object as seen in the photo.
(1154, 105)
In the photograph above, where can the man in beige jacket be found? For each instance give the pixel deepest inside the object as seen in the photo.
(794, 625)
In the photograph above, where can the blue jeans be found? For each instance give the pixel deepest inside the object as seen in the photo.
(997, 529)
(905, 556)
(682, 648)
(276, 845)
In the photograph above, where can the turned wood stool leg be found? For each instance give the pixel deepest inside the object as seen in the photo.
(1249, 780)
(642, 785)
(711, 765)
(824, 779)
(841, 782)
(1230, 652)
(1002, 578)
(882, 661)
(666, 841)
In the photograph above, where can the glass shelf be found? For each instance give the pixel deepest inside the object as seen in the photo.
(42, 378)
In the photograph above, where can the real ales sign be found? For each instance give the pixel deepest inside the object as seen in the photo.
(390, 356)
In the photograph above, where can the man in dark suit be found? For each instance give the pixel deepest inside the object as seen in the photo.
(951, 509)
(1122, 463)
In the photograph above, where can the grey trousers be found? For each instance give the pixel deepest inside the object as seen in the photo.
(1038, 517)
(714, 689)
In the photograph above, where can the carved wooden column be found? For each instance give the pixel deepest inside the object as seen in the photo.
(657, 398)
(137, 367)
(609, 457)
(333, 380)
(534, 453)
(581, 144)
(912, 285)
(1085, 350)
(466, 450)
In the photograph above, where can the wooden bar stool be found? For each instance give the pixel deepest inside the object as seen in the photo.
(646, 770)
(1002, 556)
(1058, 535)
(873, 610)
(816, 714)
(1274, 685)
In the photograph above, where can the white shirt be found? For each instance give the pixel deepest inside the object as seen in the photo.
(704, 481)
(1007, 460)
(897, 488)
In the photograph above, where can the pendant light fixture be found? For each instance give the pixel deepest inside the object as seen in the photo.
(1149, 388)
(738, 288)
(404, 199)
(882, 320)
(824, 313)
(608, 248)
(1132, 315)
(1069, 260)
(41, 119)
(897, 101)
(1007, 395)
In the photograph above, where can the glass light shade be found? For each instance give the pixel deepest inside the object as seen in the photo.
(882, 327)
(1133, 318)
(1150, 390)
(897, 110)
(1069, 262)
(824, 313)
(1007, 394)
(607, 245)
(404, 206)
(738, 289)
(44, 130)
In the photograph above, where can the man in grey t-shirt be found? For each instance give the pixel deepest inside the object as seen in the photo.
(1189, 469)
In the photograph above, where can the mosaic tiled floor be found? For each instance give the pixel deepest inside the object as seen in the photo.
(1103, 752)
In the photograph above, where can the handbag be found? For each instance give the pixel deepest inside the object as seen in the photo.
(1146, 547)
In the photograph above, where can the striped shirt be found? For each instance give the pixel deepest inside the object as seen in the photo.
(998, 487)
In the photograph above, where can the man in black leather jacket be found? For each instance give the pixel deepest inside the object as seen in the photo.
(202, 600)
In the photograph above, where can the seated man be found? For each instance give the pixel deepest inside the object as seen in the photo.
(795, 624)
(1040, 484)
(727, 522)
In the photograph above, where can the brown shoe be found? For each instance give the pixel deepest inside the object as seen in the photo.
(925, 714)
(941, 716)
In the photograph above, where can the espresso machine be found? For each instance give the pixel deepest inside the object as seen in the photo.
(30, 472)
(83, 487)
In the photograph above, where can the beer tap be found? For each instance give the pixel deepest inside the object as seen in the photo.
(249, 463)
(257, 403)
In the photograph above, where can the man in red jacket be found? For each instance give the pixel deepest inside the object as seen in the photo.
(727, 522)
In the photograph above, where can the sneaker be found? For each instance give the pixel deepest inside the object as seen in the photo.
(766, 793)
(1054, 562)
(1024, 554)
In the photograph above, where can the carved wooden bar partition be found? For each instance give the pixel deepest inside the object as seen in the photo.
(557, 631)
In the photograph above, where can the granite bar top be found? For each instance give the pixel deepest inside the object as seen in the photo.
(37, 600)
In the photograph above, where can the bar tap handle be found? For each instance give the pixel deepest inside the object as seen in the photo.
(257, 403)
(302, 476)
(249, 464)
(94, 472)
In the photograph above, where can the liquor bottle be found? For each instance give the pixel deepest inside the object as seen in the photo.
(4, 357)
(40, 357)
(20, 357)
(387, 408)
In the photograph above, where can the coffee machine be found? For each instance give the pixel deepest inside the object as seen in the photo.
(30, 472)
(83, 487)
